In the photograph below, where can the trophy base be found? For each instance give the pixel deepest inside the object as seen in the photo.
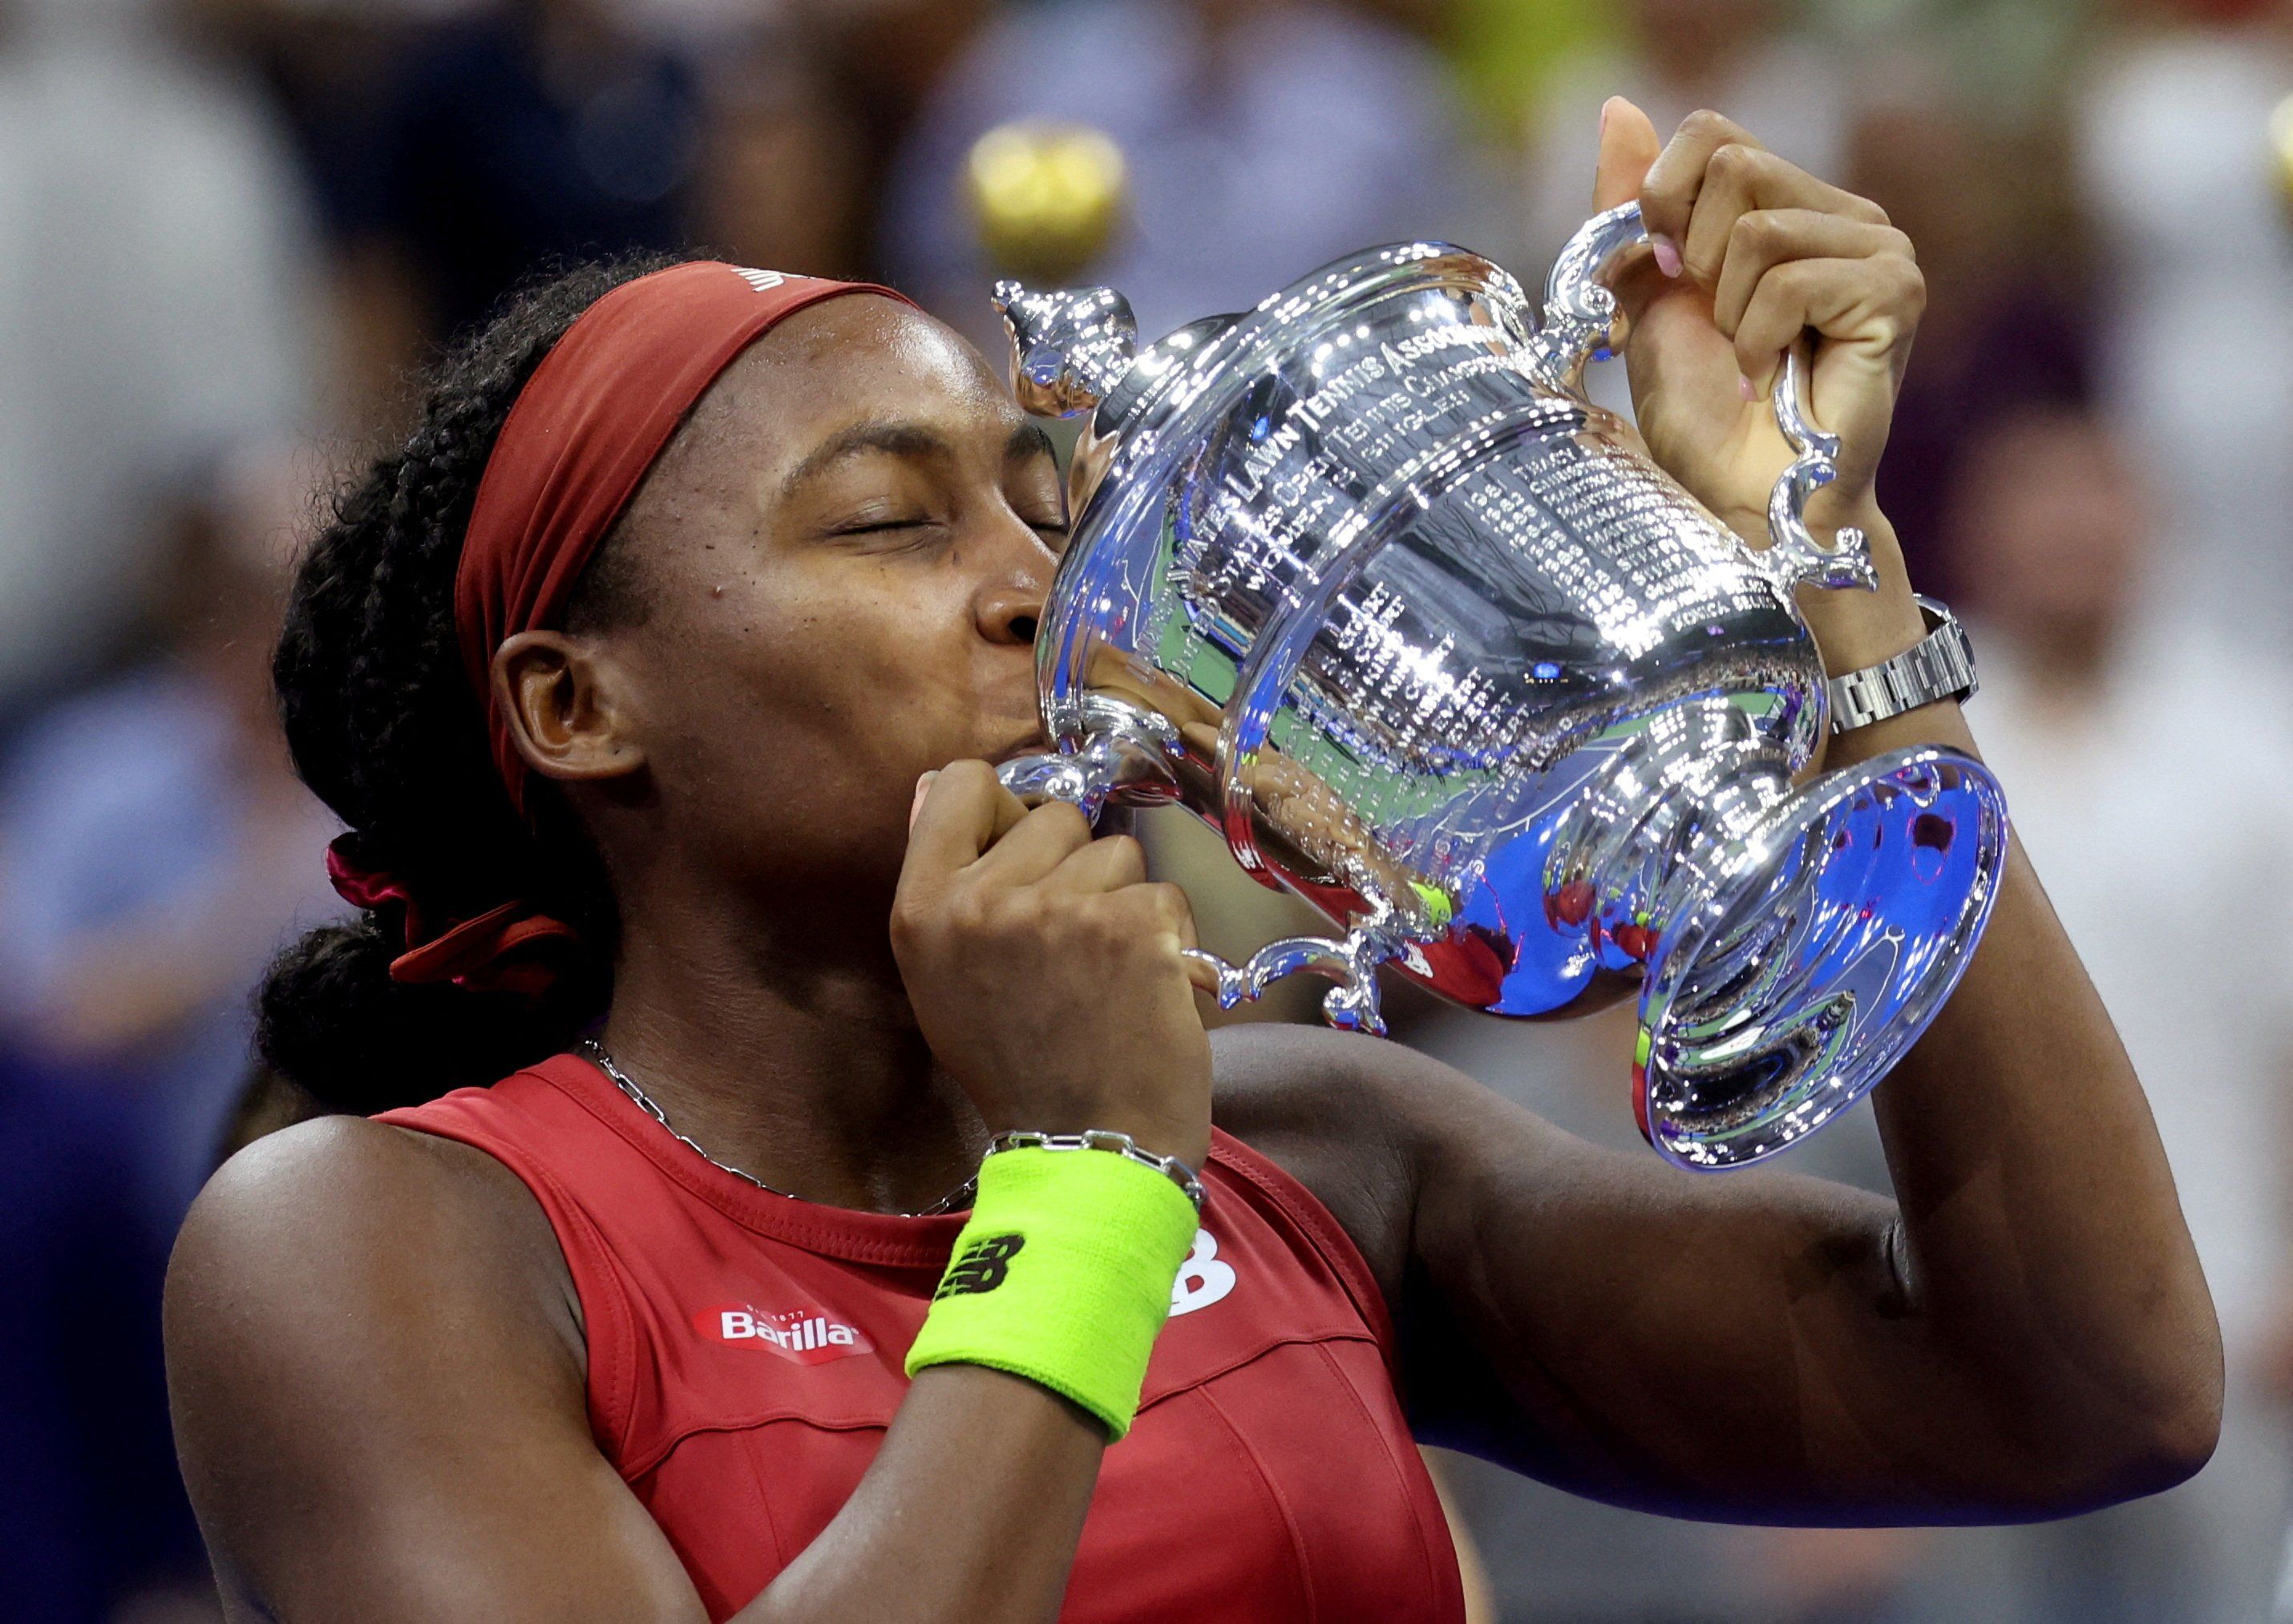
(1813, 951)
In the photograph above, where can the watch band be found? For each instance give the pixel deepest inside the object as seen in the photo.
(1940, 666)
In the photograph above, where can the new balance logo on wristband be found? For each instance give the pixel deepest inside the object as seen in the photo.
(804, 1336)
(984, 1266)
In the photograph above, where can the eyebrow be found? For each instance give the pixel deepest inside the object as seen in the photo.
(908, 440)
(1029, 440)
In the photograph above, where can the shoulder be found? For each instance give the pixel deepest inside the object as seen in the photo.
(345, 1180)
(377, 1392)
(340, 1242)
(344, 1299)
(1356, 1120)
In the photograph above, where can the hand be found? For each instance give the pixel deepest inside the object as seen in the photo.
(1752, 252)
(1046, 972)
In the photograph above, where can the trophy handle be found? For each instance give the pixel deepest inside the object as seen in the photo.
(1124, 747)
(1793, 557)
(1580, 309)
(1068, 350)
(1580, 317)
(1124, 751)
(1351, 962)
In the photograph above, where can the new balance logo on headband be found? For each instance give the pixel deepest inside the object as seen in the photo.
(763, 281)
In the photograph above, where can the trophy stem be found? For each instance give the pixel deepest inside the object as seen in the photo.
(1814, 951)
(1796, 941)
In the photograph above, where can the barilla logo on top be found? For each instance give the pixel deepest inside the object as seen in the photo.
(804, 1334)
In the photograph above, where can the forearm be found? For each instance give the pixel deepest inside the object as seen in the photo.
(970, 1512)
(2046, 1259)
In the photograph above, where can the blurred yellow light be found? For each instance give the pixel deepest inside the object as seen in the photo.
(2281, 148)
(1045, 197)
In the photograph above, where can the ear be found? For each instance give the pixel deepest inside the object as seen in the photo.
(568, 706)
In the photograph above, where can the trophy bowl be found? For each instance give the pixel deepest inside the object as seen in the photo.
(1362, 579)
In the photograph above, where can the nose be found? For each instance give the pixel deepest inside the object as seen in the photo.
(1009, 610)
(1015, 569)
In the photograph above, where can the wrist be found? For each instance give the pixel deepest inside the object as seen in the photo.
(1943, 723)
(1063, 1276)
(1855, 629)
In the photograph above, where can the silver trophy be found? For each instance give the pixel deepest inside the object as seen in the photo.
(1364, 579)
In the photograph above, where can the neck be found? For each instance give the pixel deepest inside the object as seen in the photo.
(794, 1058)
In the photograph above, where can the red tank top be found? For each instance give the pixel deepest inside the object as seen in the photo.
(745, 1355)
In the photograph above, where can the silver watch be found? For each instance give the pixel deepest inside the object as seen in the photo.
(1940, 666)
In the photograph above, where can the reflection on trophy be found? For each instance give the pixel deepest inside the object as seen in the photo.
(1361, 579)
(1046, 196)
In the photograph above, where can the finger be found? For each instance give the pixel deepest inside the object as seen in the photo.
(1669, 190)
(964, 809)
(1108, 863)
(1168, 908)
(1767, 237)
(1739, 179)
(1867, 304)
(1035, 845)
(1179, 908)
(1204, 976)
(1629, 144)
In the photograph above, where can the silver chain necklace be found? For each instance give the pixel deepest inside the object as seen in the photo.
(955, 1200)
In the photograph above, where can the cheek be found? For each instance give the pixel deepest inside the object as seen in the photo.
(804, 691)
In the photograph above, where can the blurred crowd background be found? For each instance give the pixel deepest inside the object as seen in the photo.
(229, 229)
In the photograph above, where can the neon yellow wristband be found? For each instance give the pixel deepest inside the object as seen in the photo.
(1063, 1276)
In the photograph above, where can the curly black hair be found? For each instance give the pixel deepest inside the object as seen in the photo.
(382, 726)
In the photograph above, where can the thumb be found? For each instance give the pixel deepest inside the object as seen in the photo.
(1629, 146)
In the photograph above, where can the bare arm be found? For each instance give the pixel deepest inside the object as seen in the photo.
(378, 1387)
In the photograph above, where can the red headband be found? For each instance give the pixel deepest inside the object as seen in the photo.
(586, 429)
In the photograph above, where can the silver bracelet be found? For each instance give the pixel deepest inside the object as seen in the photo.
(1106, 1139)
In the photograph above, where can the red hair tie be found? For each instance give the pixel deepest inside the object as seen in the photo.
(584, 432)
(479, 954)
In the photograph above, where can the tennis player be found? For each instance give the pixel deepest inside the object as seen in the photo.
(789, 1179)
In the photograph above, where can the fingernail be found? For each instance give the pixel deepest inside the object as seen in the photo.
(1667, 255)
(1747, 388)
(923, 789)
(1604, 106)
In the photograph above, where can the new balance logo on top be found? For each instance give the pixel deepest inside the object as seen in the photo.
(763, 281)
(984, 1267)
(805, 1336)
(1202, 1279)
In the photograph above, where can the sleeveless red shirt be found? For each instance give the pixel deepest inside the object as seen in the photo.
(745, 1354)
